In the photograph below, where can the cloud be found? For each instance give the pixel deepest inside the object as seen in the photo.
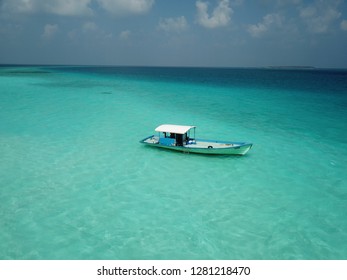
(89, 26)
(58, 7)
(68, 7)
(257, 30)
(126, 7)
(220, 15)
(49, 30)
(343, 25)
(124, 35)
(173, 24)
(287, 2)
(18, 6)
(319, 16)
(75, 7)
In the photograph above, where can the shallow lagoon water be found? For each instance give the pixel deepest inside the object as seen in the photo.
(76, 184)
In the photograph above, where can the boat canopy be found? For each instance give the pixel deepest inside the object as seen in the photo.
(172, 128)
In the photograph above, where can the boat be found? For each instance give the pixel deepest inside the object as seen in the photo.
(182, 138)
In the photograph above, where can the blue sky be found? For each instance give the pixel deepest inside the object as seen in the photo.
(222, 33)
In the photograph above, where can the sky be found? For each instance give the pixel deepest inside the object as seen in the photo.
(202, 33)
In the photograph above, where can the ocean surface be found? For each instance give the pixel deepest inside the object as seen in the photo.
(75, 183)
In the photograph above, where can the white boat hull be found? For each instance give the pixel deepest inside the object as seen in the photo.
(200, 146)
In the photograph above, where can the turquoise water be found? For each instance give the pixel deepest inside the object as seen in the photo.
(76, 184)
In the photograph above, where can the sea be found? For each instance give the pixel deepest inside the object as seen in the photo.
(75, 183)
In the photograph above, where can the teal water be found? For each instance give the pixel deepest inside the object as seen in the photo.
(76, 184)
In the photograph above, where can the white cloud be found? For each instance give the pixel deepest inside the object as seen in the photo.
(19, 6)
(124, 35)
(49, 30)
(68, 7)
(257, 30)
(126, 7)
(75, 7)
(308, 12)
(173, 24)
(343, 25)
(288, 2)
(220, 15)
(237, 2)
(319, 16)
(58, 7)
(89, 26)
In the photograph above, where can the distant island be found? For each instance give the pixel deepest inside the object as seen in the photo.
(292, 67)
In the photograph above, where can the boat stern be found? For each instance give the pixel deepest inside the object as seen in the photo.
(150, 140)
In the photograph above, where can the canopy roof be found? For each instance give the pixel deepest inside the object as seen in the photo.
(172, 128)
